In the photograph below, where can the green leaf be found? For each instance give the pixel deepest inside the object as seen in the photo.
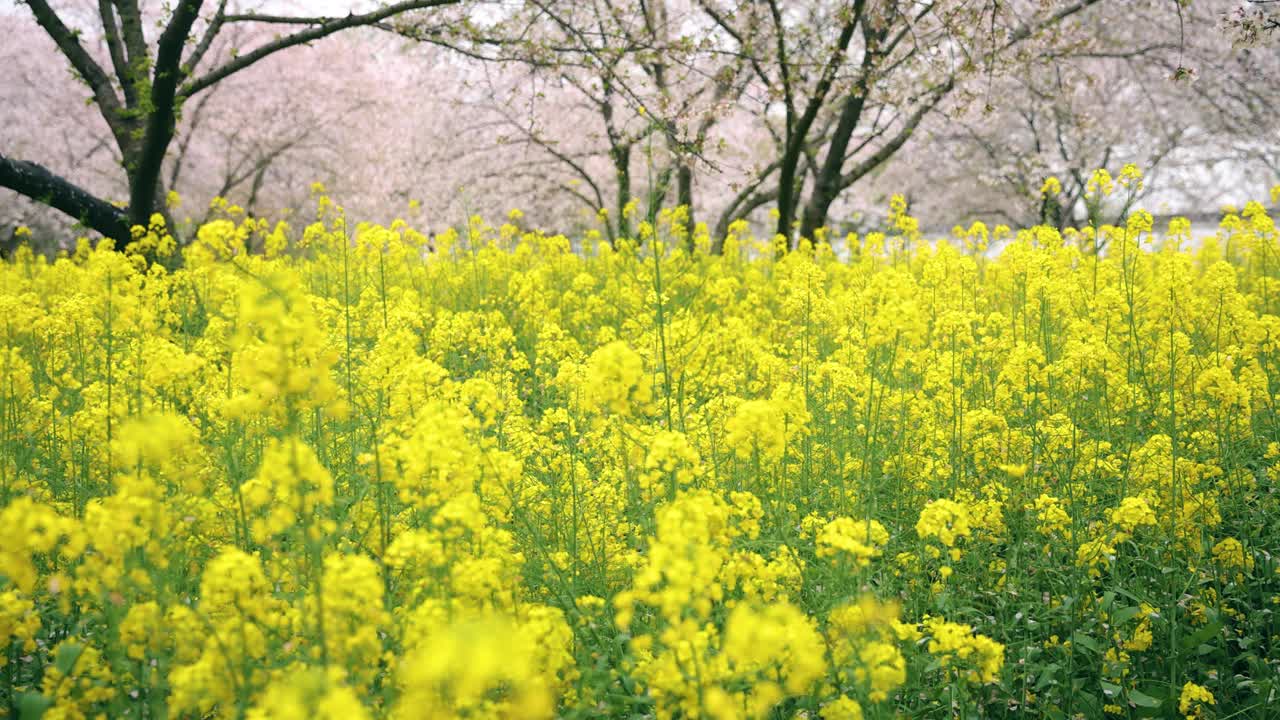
(1201, 635)
(1111, 689)
(31, 705)
(1048, 675)
(67, 655)
(1126, 593)
(1085, 642)
(1124, 615)
(1142, 699)
(1089, 704)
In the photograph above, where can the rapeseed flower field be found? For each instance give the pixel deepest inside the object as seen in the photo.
(347, 471)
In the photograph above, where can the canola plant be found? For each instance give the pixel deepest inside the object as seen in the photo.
(354, 472)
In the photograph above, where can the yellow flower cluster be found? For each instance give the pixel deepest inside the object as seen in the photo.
(760, 429)
(1133, 512)
(864, 651)
(1229, 553)
(1098, 553)
(946, 520)
(1193, 700)
(974, 657)
(616, 379)
(308, 693)
(488, 666)
(1050, 513)
(671, 463)
(290, 489)
(858, 540)
(350, 471)
(768, 649)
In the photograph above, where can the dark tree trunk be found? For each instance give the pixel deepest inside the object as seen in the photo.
(787, 189)
(37, 183)
(145, 192)
(621, 155)
(797, 132)
(684, 188)
(828, 186)
(684, 195)
(144, 124)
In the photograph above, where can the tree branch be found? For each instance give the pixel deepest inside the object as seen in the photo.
(135, 41)
(38, 183)
(68, 42)
(329, 27)
(889, 148)
(206, 40)
(115, 48)
(162, 119)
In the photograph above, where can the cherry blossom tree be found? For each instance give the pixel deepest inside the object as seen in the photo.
(846, 85)
(1182, 105)
(142, 87)
(619, 99)
(1252, 22)
(596, 113)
